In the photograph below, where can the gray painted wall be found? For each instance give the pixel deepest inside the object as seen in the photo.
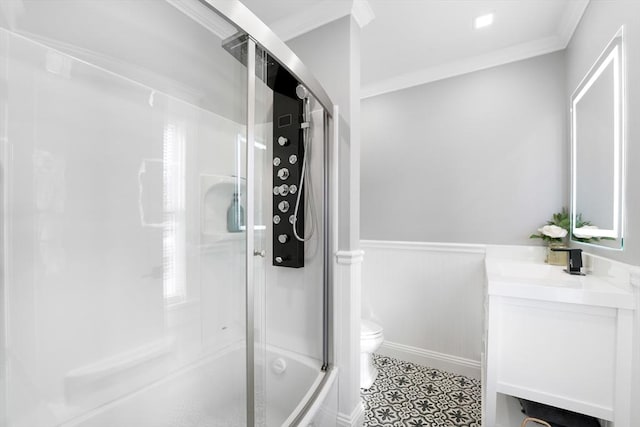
(478, 158)
(599, 24)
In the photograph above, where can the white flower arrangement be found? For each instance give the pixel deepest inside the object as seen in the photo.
(553, 232)
(558, 228)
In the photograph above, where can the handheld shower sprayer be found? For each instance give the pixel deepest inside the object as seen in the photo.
(303, 93)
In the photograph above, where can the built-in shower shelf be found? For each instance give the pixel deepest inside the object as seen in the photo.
(216, 195)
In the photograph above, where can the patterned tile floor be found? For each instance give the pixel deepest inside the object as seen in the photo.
(409, 395)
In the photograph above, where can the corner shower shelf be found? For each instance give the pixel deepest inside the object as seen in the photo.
(216, 194)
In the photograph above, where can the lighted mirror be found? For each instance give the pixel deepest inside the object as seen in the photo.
(597, 151)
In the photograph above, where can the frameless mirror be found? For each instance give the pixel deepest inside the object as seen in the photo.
(597, 150)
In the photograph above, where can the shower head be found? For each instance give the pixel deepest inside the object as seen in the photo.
(302, 92)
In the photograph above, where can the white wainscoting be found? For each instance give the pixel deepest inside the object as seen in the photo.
(635, 379)
(429, 298)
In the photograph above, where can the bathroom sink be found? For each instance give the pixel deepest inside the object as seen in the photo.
(529, 270)
(523, 272)
(557, 338)
(533, 279)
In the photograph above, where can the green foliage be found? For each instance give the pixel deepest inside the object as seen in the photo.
(561, 219)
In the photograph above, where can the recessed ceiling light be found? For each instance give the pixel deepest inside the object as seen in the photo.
(483, 21)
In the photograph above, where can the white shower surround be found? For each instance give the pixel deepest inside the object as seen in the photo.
(153, 335)
(161, 404)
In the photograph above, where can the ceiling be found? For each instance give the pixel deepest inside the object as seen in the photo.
(409, 42)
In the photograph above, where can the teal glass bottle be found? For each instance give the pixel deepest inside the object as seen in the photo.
(235, 215)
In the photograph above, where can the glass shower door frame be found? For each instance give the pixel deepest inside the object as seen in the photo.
(254, 343)
(250, 231)
(259, 36)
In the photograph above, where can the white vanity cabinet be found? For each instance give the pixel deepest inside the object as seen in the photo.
(557, 339)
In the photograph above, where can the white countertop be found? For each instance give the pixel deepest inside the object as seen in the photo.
(523, 274)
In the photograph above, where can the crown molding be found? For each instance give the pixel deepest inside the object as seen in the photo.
(464, 66)
(320, 14)
(566, 27)
(570, 19)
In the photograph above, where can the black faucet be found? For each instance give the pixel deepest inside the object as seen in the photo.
(574, 260)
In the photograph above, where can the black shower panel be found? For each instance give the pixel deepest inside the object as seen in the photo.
(288, 154)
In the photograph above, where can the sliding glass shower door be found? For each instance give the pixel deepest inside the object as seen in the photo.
(124, 192)
(142, 272)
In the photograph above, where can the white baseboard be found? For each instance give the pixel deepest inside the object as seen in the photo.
(355, 419)
(433, 359)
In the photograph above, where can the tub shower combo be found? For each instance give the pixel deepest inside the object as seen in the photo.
(165, 187)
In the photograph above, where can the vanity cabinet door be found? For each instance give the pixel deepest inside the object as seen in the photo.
(561, 351)
(560, 354)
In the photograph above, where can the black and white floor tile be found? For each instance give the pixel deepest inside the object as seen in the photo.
(409, 395)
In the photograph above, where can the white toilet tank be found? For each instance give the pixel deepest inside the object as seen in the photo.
(371, 337)
(369, 328)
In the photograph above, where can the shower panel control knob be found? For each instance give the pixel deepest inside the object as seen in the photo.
(293, 159)
(283, 206)
(282, 141)
(284, 190)
(293, 188)
(283, 238)
(276, 161)
(276, 190)
(276, 219)
(280, 259)
(283, 173)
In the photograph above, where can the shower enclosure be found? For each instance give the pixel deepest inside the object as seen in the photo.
(140, 283)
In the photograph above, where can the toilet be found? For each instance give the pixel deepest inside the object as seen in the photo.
(371, 337)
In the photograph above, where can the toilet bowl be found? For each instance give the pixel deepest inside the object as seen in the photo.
(371, 337)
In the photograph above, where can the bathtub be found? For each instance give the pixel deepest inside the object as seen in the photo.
(211, 393)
